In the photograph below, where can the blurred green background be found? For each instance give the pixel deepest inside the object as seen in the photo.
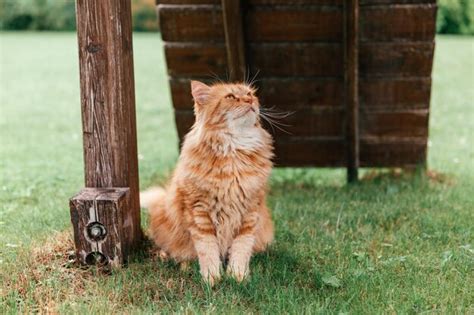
(454, 16)
(59, 15)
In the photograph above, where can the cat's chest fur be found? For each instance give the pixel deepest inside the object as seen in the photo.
(233, 185)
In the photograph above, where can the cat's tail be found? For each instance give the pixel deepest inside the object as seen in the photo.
(151, 197)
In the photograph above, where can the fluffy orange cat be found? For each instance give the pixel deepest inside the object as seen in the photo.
(214, 209)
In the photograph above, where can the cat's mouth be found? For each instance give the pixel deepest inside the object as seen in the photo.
(245, 113)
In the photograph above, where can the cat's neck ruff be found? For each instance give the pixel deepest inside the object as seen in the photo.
(228, 142)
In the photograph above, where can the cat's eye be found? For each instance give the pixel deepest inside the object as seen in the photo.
(230, 96)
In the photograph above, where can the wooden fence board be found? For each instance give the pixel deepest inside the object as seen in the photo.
(204, 23)
(299, 2)
(302, 60)
(310, 152)
(394, 124)
(395, 93)
(234, 39)
(398, 22)
(260, 2)
(390, 153)
(379, 23)
(396, 59)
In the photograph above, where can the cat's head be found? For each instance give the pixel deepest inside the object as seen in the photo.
(232, 105)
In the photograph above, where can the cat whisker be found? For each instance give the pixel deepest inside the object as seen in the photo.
(214, 76)
(274, 123)
(253, 81)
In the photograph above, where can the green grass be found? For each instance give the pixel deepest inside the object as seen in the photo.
(390, 244)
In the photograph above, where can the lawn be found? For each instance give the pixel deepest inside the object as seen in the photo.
(393, 243)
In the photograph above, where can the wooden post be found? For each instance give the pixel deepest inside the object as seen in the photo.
(107, 222)
(351, 85)
(234, 39)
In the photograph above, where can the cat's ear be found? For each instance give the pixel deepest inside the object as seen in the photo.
(200, 92)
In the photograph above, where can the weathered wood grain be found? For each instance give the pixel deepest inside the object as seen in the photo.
(258, 2)
(302, 60)
(191, 23)
(294, 23)
(394, 22)
(396, 59)
(102, 207)
(351, 87)
(376, 152)
(204, 23)
(196, 59)
(199, 59)
(108, 101)
(394, 124)
(331, 152)
(293, 2)
(310, 152)
(234, 39)
(398, 22)
(395, 93)
(388, 2)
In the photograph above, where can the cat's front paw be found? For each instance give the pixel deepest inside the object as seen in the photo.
(238, 271)
(211, 274)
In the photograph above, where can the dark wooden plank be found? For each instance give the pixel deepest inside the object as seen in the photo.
(108, 100)
(100, 230)
(290, 93)
(201, 60)
(234, 39)
(188, 60)
(294, 24)
(309, 152)
(298, 23)
(382, 2)
(398, 22)
(394, 124)
(296, 2)
(408, 93)
(301, 60)
(177, 2)
(191, 23)
(392, 152)
(351, 87)
(396, 59)
(300, 2)
(257, 2)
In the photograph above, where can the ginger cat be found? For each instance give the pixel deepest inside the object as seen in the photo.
(214, 208)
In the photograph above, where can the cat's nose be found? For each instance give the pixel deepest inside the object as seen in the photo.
(247, 99)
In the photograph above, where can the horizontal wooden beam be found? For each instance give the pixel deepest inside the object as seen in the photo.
(309, 24)
(303, 60)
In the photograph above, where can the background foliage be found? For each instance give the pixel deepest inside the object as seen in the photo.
(454, 16)
(59, 15)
